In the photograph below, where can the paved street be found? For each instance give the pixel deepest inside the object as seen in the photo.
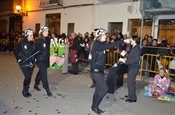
(71, 95)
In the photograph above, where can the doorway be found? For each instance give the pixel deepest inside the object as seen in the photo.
(15, 23)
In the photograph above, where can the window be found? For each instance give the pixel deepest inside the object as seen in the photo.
(114, 26)
(70, 28)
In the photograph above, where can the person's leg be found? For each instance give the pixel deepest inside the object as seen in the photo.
(132, 73)
(100, 91)
(43, 71)
(37, 81)
(75, 68)
(65, 65)
(27, 72)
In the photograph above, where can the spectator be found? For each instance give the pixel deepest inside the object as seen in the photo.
(152, 59)
(87, 46)
(160, 84)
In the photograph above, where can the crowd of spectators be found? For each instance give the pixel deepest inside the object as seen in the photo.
(8, 41)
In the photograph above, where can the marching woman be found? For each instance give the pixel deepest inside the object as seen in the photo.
(42, 59)
(98, 66)
(23, 52)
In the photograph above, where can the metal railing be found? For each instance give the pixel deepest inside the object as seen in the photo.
(152, 63)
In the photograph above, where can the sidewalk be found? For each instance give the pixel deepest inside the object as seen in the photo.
(71, 95)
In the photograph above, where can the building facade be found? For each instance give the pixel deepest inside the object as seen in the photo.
(80, 16)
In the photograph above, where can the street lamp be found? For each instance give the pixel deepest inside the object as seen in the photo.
(18, 8)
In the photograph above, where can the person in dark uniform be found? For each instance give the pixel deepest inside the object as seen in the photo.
(133, 68)
(74, 54)
(22, 53)
(90, 55)
(42, 45)
(97, 67)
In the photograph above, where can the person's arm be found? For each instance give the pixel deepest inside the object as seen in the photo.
(17, 51)
(166, 85)
(155, 79)
(103, 46)
(37, 48)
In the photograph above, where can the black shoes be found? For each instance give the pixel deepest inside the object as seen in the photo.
(126, 96)
(48, 92)
(71, 72)
(92, 86)
(96, 101)
(130, 100)
(25, 92)
(37, 88)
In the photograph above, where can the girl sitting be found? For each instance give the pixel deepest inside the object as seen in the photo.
(160, 84)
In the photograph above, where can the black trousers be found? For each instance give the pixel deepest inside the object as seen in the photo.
(27, 72)
(132, 73)
(75, 67)
(42, 74)
(101, 86)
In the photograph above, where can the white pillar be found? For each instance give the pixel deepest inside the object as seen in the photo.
(155, 28)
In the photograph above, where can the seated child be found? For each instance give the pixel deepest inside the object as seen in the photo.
(160, 84)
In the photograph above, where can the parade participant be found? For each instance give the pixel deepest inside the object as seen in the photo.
(74, 54)
(22, 53)
(42, 59)
(160, 84)
(133, 68)
(97, 67)
(90, 52)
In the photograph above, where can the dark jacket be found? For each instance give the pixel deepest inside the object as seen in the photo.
(75, 50)
(152, 51)
(144, 50)
(99, 55)
(133, 57)
(23, 50)
(43, 45)
(76, 46)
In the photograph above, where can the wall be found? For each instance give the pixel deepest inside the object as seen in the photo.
(86, 18)
(116, 13)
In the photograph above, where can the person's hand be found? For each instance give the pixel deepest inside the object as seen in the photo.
(123, 60)
(19, 61)
(31, 64)
(35, 60)
(127, 41)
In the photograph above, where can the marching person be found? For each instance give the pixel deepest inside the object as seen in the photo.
(133, 68)
(42, 59)
(98, 66)
(90, 52)
(23, 52)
